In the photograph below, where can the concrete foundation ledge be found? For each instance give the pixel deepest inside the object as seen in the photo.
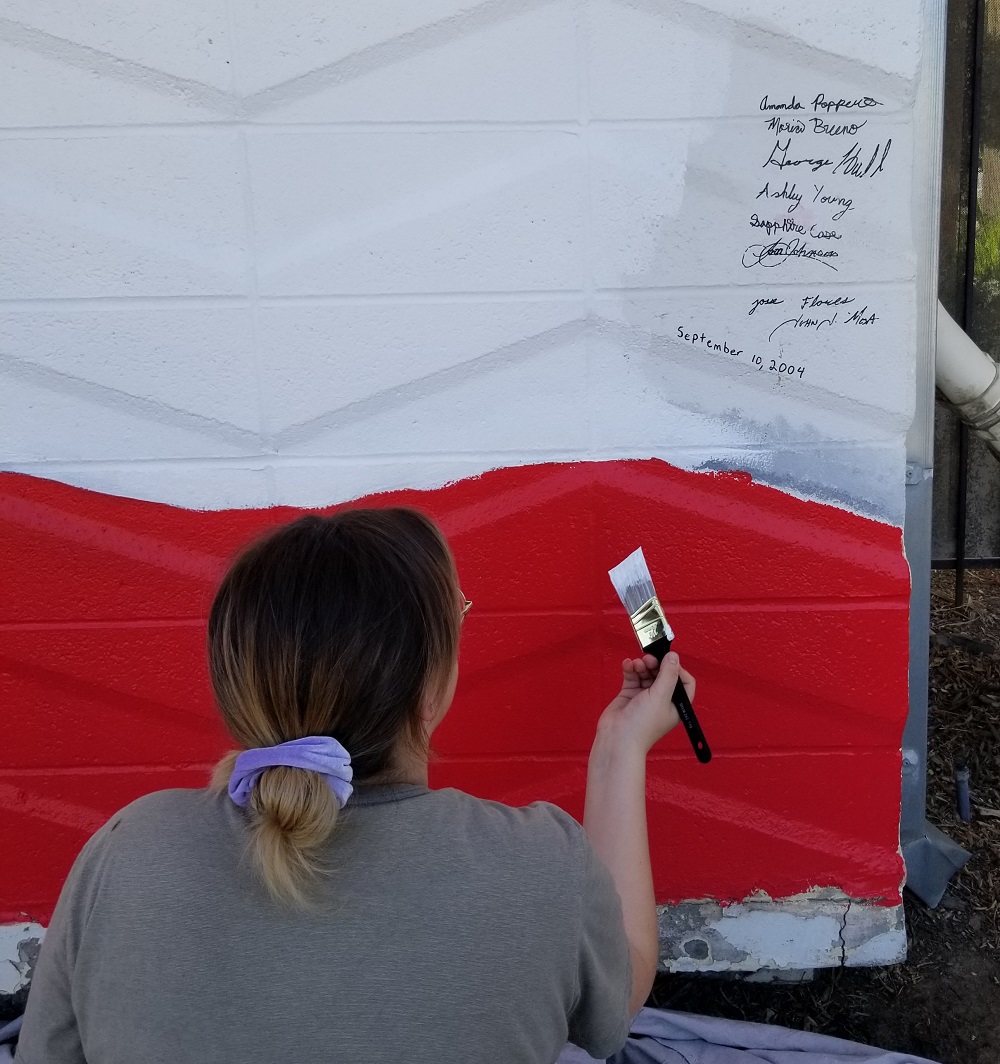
(19, 945)
(822, 929)
(815, 930)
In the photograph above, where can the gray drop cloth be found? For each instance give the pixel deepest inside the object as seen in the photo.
(660, 1037)
(8, 1039)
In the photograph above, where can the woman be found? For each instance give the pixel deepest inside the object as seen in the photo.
(319, 902)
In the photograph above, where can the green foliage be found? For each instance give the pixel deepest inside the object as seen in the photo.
(988, 249)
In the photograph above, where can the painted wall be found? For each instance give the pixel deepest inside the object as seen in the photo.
(572, 276)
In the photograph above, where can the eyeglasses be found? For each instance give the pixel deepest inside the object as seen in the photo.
(466, 606)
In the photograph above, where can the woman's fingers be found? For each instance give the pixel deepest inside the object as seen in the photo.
(689, 682)
(643, 711)
(642, 673)
(630, 681)
(646, 669)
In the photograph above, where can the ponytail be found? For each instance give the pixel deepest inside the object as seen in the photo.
(293, 813)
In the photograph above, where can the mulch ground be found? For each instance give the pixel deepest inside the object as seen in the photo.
(944, 1002)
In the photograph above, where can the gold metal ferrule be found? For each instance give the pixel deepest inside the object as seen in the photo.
(650, 623)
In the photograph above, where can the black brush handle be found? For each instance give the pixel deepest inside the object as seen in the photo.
(685, 710)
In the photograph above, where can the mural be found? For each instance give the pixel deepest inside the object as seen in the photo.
(573, 277)
(786, 610)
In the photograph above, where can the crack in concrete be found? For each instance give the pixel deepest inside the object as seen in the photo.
(843, 929)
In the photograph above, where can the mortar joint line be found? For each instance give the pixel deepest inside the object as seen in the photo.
(583, 119)
(253, 288)
(250, 251)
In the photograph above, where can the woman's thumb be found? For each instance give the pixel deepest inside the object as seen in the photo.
(670, 669)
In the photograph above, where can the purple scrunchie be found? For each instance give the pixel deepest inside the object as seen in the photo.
(317, 753)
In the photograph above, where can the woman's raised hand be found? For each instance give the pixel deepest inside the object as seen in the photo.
(643, 710)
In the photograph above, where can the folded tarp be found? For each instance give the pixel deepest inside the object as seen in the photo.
(8, 1039)
(660, 1037)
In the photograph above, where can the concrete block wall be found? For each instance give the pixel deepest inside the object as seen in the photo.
(266, 255)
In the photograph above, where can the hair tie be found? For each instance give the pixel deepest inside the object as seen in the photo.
(316, 753)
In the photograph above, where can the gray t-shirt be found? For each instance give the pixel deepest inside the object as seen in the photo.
(451, 929)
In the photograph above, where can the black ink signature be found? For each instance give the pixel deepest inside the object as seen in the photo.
(812, 302)
(852, 165)
(834, 129)
(780, 250)
(786, 225)
(843, 202)
(802, 322)
(821, 103)
(770, 302)
(786, 194)
(792, 105)
(779, 158)
(777, 124)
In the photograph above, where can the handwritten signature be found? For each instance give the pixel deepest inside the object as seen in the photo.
(764, 301)
(851, 164)
(778, 252)
(804, 322)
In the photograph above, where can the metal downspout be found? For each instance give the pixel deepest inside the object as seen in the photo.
(930, 857)
(969, 379)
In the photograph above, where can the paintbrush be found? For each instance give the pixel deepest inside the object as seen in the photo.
(635, 588)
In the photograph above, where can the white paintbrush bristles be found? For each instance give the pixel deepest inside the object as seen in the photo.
(635, 588)
(632, 581)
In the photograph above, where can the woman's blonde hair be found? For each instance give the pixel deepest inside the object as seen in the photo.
(338, 626)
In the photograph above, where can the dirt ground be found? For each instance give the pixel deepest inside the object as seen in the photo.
(944, 1002)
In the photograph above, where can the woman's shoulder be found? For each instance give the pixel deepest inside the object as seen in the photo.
(157, 819)
(539, 827)
(164, 808)
(146, 832)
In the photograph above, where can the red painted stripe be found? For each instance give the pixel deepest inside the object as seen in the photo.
(794, 615)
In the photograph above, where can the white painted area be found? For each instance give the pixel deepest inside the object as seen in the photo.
(121, 215)
(14, 971)
(780, 939)
(298, 252)
(887, 948)
(448, 61)
(721, 51)
(871, 37)
(811, 930)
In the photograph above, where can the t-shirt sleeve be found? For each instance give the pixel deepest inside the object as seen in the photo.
(600, 1019)
(50, 1033)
